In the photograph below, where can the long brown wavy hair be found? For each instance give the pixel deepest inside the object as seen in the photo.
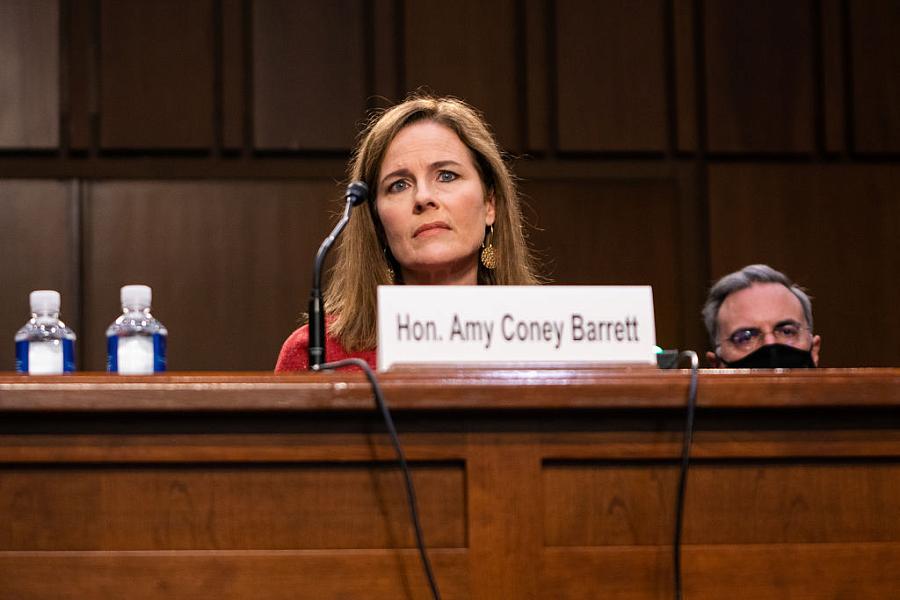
(363, 256)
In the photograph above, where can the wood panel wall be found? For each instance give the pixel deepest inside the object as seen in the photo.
(196, 147)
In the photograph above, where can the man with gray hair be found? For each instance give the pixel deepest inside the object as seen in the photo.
(758, 318)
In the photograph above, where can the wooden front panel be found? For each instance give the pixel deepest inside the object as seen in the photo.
(29, 74)
(759, 76)
(833, 229)
(724, 571)
(37, 252)
(783, 502)
(227, 507)
(156, 95)
(229, 263)
(272, 575)
(611, 79)
(573, 500)
(309, 74)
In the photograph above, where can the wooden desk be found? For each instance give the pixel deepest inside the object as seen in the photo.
(532, 483)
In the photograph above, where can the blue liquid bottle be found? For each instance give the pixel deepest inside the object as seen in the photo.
(136, 341)
(45, 346)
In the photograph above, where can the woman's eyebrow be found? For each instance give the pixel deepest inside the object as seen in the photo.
(395, 173)
(445, 163)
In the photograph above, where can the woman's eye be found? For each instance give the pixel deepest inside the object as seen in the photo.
(397, 186)
(446, 176)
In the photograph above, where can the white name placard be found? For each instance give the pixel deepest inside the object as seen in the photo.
(501, 324)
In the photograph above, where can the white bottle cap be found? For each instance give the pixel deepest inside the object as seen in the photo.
(44, 301)
(136, 295)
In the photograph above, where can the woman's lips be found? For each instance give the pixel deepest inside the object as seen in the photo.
(433, 226)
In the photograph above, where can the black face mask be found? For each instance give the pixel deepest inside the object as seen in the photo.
(774, 356)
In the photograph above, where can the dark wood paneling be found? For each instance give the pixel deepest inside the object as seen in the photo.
(35, 254)
(611, 79)
(81, 73)
(29, 74)
(156, 69)
(309, 73)
(468, 51)
(692, 268)
(833, 229)
(833, 77)
(233, 73)
(759, 76)
(386, 53)
(538, 63)
(685, 62)
(809, 76)
(229, 263)
(601, 232)
(876, 75)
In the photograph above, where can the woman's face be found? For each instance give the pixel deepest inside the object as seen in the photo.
(433, 205)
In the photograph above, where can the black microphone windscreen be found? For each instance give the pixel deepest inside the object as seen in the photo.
(358, 191)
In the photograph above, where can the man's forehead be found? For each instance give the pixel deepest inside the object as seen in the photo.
(761, 304)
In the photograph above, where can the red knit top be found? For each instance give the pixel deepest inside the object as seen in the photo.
(294, 355)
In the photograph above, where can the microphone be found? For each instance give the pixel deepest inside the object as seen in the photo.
(356, 194)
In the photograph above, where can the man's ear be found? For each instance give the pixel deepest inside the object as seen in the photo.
(814, 349)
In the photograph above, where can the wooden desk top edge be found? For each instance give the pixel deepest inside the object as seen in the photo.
(453, 387)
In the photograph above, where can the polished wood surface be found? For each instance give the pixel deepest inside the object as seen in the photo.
(533, 482)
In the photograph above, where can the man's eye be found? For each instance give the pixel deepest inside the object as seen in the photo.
(789, 330)
(446, 176)
(744, 336)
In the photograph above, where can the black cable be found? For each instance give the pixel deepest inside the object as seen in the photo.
(685, 462)
(401, 458)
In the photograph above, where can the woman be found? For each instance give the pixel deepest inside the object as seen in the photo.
(443, 210)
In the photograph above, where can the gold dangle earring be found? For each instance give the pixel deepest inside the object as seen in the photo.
(488, 254)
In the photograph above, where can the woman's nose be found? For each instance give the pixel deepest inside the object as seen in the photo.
(424, 197)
